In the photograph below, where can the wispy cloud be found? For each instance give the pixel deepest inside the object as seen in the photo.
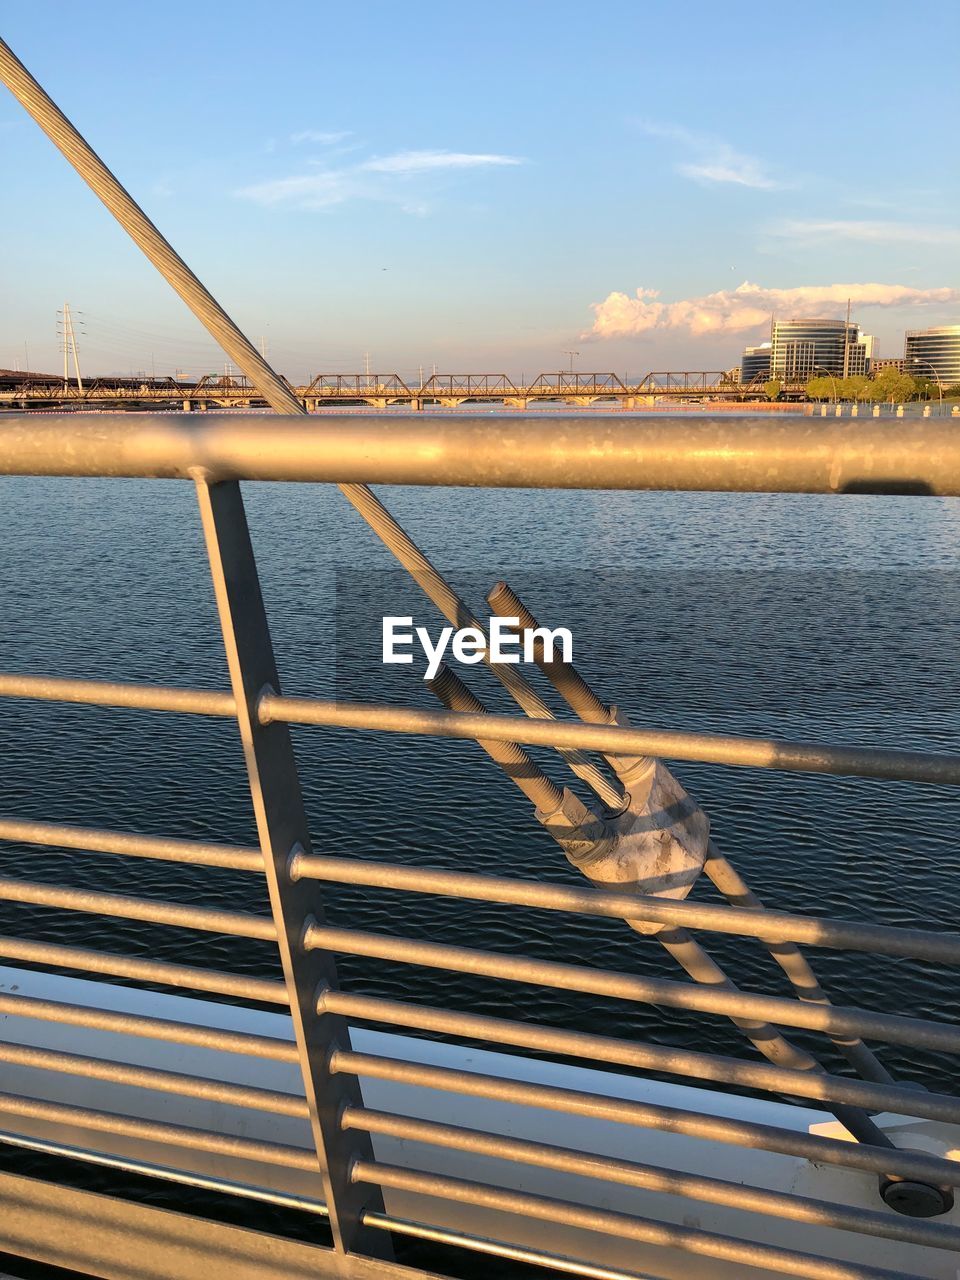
(712, 160)
(305, 191)
(320, 137)
(425, 161)
(812, 230)
(382, 178)
(748, 307)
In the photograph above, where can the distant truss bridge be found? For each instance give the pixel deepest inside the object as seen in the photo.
(381, 390)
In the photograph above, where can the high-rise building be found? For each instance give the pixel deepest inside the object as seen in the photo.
(802, 349)
(934, 354)
(755, 362)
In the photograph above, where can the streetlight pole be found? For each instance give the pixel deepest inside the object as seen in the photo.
(819, 368)
(920, 360)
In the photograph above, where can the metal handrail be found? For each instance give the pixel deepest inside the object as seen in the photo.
(239, 924)
(154, 1131)
(921, 1033)
(741, 1133)
(112, 693)
(651, 1178)
(708, 748)
(693, 1239)
(642, 1056)
(728, 454)
(162, 848)
(160, 972)
(187, 1086)
(775, 926)
(131, 1024)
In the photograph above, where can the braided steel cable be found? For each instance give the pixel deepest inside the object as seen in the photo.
(78, 152)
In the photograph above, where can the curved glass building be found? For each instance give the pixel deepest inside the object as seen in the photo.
(801, 349)
(934, 354)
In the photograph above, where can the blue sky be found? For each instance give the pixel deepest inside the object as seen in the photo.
(485, 187)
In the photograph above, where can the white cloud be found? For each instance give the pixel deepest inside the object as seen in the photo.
(811, 230)
(713, 161)
(378, 178)
(748, 307)
(424, 161)
(320, 137)
(305, 191)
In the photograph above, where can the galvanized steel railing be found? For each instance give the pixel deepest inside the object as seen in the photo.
(670, 453)
(349, 1178)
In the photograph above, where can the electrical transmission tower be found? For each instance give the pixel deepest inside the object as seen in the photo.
(68, 341)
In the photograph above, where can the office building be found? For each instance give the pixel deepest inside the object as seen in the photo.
(801, 349)
(934, 354)
(755, 362)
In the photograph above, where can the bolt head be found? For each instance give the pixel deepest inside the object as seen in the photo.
(916, 1199)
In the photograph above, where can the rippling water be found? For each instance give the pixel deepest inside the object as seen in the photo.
(800, 617)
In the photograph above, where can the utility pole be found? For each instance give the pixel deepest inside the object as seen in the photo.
(366, 364)
(571, 354)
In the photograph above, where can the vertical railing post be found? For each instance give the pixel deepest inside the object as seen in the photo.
(282, 826)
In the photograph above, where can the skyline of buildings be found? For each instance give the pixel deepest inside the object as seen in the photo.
(799, 348)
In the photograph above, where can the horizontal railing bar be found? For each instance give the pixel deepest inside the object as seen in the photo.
(731, 454)
(585, 1164)
(711, 748)
(787, 1081)
(648, 1115)
(182, 1177)
(831, 1019)
(131, 1024)
(708, 1244)
(163, 848)
(161, 972)
(497, 1249)
(156, 1131)
(774, 926)
(121, 1073)
(110, 693)
(236, 923)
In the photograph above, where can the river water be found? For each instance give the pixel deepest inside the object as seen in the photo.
(816, 618)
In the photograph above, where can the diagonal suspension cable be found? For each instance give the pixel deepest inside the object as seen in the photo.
(74, 147)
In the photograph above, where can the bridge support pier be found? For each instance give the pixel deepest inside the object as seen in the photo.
(187, 406)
